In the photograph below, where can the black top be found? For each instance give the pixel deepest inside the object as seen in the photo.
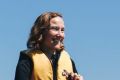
(25, 66)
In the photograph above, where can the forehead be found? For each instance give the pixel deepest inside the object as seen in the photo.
(57, 20)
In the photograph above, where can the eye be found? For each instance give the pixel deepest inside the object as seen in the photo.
(56, 28)
(63, 29)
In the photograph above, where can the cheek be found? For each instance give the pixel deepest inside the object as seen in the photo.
(63, 35)
(47, 36)
(54, 33)
(50, 35)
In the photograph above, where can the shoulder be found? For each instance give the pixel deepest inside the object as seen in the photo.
(24, 66)
(24, 61)
(65, 53)
(24, 55)
(24, 58)
(27, 53)
(73, 63)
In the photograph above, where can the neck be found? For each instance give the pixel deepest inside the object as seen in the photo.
(47, 50)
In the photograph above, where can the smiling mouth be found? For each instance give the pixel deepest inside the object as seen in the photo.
(56, 41)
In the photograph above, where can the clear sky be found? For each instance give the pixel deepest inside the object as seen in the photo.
(92, 34)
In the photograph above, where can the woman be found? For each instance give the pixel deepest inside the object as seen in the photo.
(46, 58)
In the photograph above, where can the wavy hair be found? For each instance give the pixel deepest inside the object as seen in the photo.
(39, 29)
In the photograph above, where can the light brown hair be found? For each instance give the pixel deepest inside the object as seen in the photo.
(38, 29)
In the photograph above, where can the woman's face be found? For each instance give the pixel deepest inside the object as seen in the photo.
(55, 35)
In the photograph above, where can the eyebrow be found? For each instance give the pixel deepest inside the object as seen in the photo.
(55, 26)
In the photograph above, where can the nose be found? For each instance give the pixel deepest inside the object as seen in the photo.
(60, 34)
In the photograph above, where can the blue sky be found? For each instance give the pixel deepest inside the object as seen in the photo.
(92, 34)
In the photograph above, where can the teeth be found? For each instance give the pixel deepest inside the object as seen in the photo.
(56, 41)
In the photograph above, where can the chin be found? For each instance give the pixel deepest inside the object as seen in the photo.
(57, 47)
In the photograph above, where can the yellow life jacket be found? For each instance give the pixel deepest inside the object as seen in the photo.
(42, 67)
